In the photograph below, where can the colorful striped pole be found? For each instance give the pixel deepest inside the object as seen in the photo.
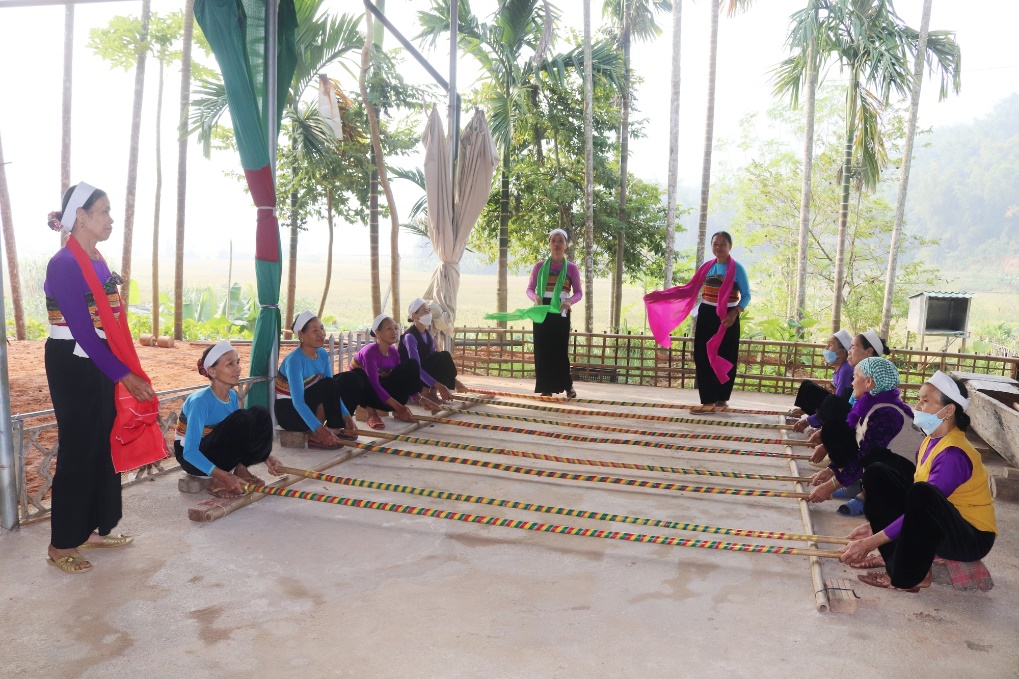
(546, 509)
(583, 478)
(625, 430)
(542, 527)
(629, 404)
(597, 440)
(632, 416)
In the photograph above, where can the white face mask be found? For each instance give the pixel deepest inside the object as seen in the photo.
(425, 320)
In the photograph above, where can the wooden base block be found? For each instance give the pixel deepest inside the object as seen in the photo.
(165, 341)
(841, 597)
(360, 414)
(1006, 487)
(193, 484)
(146, 340)
(294, 439)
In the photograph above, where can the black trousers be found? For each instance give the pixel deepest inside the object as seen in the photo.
(810, 396)
(325, 393)
(86, 493)
(401, 382)
(439, 364)
(552, 355)
(710, 389)
(931, 526)
(244, 437)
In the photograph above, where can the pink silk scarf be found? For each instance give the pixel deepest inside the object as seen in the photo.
(666, 309)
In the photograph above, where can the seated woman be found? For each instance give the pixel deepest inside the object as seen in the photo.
(877, 429)
(215, 436)
(810, 395)
(378, 379)
(307, 396)
(945, 509)
(437, 370)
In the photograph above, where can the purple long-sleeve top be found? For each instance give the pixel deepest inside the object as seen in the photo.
(571, 285)
(410, 344)
(883, 425)
(375, 365)
(840, 381)
(950, 469)
(69, 302)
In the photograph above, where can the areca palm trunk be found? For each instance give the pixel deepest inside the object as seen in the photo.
(502, 284)
(808, 166)
(329, 252)
(132, 161)
(292, 258)
(852, 101)
(588, 175)
(907, 157)
(158, 200)
(709, 128)
(182, 173)
(670, 228)
(624, 153)
(372, 36)
(65, 115)
(6, 219)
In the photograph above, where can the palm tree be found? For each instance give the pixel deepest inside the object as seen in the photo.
(735, 6)
(588, 175)
(182, 170)
(670, 218)
(65, 116)
(7, 221)
(635, 20)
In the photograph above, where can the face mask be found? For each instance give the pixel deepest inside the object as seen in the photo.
(426, 320)
(927, 422)
(830, 356)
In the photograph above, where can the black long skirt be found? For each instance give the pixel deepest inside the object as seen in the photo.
(401, 382)
(552, 355)
(86, 489)
(243, 437)
(325, 393)
(710, 389)
(810, 396)
(439, 364)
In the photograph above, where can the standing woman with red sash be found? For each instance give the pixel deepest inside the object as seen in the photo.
(554, 282)
(82, 372)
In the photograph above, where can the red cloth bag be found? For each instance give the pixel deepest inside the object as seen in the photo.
(136, 438)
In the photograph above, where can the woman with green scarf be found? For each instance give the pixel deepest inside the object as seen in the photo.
(554, 282)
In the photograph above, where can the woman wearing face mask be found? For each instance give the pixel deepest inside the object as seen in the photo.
(810, 396)
(877, 429)
(945, 510)
(438, 372)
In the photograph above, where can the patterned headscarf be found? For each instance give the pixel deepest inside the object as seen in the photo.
(882, 371)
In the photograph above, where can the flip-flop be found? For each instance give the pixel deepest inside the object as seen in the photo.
(883, 580)
(69, 564)
(109, 541)
(869, 562)
(375, 422)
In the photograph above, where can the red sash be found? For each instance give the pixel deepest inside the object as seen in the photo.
(136, 439)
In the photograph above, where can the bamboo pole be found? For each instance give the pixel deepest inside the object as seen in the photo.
(629, 404)
(546, 509)
(583, 478)
(821, 603)
(632, 416)
(597, 440)
(541, 527)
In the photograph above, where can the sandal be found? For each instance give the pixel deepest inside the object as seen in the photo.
(108, 541)
(223, 493)
(318, 445)
(869, 562)
(852, 508)
(879, 579)
(69, 564)
(375, 422)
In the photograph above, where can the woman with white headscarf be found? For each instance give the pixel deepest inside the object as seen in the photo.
(379, 380)
(555, 282)
(810, 395)
(945, 510)
(438, 371)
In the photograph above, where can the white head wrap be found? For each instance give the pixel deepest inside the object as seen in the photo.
(216, 353)
(415, 305)
(302, 320)
(844, 338)
(555, 231)
(947, 386)
(82, 192)
(377, 322)
(875, 341)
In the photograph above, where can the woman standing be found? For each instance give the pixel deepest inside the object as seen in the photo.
(438, 372)
(715, 294)
(945, 510)
(554, 282)
(215, 436)
(81, 371)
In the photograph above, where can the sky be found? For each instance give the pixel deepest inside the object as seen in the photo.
(218, 209)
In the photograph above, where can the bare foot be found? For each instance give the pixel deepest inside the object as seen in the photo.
(241, 472)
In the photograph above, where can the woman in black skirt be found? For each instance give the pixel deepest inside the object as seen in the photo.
(81, 371)
(556, 282)
(438, 372)
(712, 390)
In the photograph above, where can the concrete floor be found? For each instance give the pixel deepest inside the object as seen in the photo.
(286, 587)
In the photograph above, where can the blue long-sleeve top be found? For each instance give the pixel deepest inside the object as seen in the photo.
(298, 372)
(741, 282)
(202, 411)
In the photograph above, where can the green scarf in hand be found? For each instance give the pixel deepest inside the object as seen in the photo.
(538, 312)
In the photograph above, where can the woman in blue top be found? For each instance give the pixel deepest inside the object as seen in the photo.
(307, 395)
(215, 437)
(712, 391)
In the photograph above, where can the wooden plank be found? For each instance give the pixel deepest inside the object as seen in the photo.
(841, 596)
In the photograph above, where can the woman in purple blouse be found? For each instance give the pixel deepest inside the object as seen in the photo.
(554, 281)
(81, 372)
